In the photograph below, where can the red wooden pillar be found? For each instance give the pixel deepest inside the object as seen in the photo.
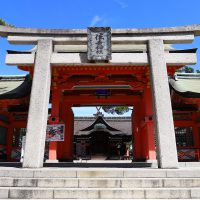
(9, 142)
(148, 148)
(137, 137)
(65, 148)
(52, 151)
(9, 139)
(72, 135)
(196, 135)
(54, 119)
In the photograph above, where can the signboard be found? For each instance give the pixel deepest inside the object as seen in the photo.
(55, 132)
(99, 43)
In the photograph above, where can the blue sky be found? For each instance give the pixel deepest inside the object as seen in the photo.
(84, 13)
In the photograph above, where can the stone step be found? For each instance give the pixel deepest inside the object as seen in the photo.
(99, 172)
(98, 199)
(100, 182)
(99, 193)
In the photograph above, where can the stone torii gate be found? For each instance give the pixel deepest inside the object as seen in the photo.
(47, 40)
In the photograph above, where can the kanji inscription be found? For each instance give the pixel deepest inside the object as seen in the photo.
(99, 43)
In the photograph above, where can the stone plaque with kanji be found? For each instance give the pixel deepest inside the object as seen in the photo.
(99, 43)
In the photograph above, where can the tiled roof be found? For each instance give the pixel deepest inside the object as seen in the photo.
(186, 84)
(14, 87)
(122, 124)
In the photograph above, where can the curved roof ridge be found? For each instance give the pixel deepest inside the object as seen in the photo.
(101, 120)
(178, 76)
(11, 77)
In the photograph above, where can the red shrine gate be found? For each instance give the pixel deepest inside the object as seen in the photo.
(99, 85)
(124, 85)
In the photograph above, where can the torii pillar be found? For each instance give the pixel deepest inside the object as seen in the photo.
(38, 109)
(163, 118)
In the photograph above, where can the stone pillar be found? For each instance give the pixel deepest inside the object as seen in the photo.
(164, 127)
(38, 108)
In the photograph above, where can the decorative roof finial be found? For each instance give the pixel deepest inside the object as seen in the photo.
(98, 114)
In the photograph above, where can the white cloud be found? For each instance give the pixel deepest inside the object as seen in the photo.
(95, 20)
(121, 3)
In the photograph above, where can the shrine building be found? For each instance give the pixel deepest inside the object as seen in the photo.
(100, 66)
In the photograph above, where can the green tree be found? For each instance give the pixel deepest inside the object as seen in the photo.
(197, 71)
(189, 69)
(119, 110)
(4, 23)
(186, 69)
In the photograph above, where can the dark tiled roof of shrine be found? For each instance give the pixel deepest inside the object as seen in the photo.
(15, 87)
(113, 125)
(186, 84)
